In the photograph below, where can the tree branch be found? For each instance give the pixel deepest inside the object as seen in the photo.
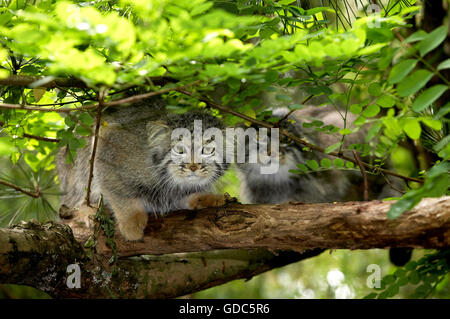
(34, 194)
(364, 175)
(121, 102)
(38, 255)
(42, 138)
(27, 80)
(293, 226)
(101, 103)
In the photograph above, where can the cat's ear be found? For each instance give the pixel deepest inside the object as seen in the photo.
(157, 130)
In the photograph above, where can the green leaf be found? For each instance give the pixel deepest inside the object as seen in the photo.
(434, 124)
(401, 206)
(432, 40)
(6, 146)
(325, 163)
(428, 96)
(295, 106)
(392, 290)
(445, 153)
(338, 162)
(285, 2)
(331, 148)
(386, 101)
(271, 76)
(283, 97)
(83, 131)
(412, 128)
(32, 161)
(315, 10)
(201, 8)
(388, 279)
(443, 111)
(416, 36)
(70, 121)
(349, 164)
(414, 277)
(345, 131)
(86, 119)
(442, 143)
(374, 89)
(302, 167)
(444, 65)
(439, 169)
(360, 120)
(413, 82)
(410, 265)
(371, 110)
(89, 243)
(399, 273)
(313, 164)
(355, 108)
(400, 70)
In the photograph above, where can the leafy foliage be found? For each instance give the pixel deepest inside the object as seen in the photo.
(426, 274)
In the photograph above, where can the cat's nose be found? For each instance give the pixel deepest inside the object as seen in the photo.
(193, 167)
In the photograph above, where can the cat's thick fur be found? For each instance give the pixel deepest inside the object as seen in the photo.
(327, 186)
(134, 169)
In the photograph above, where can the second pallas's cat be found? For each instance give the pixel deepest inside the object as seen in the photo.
(136, 170)
(321, 186)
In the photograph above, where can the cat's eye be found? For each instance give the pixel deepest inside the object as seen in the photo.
(208, 150)
(178, 149)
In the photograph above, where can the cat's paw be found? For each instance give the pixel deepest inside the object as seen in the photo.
(204, 200)
(132, 228)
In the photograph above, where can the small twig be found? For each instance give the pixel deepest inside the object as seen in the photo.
(297, 139)
(39, 109)
(131, 99)
(42, 138)
(54, 104)
(36, 194)
(26, 80)
(101, 98)
(277, 124)
(137, 98)
(392, 186)
(364, 175)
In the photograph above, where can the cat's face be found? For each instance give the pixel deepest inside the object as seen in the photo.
(195, 161)
(186, 161)
(284, 152)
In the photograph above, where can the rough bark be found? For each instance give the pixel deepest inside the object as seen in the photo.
(293, 226)
(261, 235)
(38, 255)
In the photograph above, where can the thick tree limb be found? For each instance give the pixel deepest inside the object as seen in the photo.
(38, 255)
(294, 226)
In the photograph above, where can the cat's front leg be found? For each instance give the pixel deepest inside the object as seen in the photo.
(131, 217)
(204, 200)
